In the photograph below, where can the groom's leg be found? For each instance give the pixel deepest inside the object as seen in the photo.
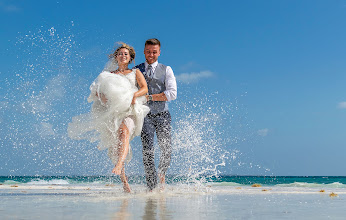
(147, 137)
(163, 132)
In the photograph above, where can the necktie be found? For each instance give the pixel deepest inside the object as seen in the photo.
(150, 71)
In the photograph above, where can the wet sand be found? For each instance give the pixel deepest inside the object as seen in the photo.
(175, 202)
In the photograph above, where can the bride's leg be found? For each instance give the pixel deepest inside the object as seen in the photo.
(123, 149)
(124, 180)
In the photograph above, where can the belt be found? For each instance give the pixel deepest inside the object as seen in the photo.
(158, 114)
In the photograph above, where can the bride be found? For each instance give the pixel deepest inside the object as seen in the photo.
(117, 112)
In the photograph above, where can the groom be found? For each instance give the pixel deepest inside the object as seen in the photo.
(162, 88)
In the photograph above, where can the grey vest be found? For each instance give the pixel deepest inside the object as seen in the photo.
(156, 84)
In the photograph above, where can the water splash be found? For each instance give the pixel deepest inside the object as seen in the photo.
(50, 85)
(40, 96)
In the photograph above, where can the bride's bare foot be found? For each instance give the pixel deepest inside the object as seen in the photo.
(126, 187)
(117, 169)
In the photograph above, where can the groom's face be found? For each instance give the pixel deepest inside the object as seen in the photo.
(152, 53)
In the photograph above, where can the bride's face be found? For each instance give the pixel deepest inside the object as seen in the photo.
(123, 56)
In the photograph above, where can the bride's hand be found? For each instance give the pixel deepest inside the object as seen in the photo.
(103, 98)
(133, 100)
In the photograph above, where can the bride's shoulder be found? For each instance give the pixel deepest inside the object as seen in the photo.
(134, 71)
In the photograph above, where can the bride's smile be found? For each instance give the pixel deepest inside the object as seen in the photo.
(123, 57)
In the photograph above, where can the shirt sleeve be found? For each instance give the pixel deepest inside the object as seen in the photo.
(171, 85)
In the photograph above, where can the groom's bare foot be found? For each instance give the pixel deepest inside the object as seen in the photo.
(162, 181)
(162, 178)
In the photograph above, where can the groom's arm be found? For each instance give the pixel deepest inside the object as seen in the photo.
(161, 97)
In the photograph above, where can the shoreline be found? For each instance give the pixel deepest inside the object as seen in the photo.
(169, 189)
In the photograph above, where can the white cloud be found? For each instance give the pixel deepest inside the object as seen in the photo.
(263, 132)
(43, 101)
(342, 105)
(9, 7)
(189, 66)
(12, 8)
(44, 129)
(96, 50)
(194, 77)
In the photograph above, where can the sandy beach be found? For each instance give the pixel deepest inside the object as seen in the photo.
(175, 202)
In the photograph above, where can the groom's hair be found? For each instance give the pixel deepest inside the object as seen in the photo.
(152, 41)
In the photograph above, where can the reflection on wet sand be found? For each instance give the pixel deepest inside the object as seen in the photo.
(156, 208)
(165, 214)
(122, 213)
(150, 209)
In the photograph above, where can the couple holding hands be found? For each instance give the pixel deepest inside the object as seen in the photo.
(131, 102)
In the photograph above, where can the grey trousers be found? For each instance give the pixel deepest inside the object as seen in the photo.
(161, 124)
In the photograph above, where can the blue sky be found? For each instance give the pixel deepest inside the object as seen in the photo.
(270, 74)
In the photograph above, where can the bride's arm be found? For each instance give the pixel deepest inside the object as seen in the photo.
(142, 85)
(94, 90)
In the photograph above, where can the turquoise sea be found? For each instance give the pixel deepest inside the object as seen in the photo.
(282, 181)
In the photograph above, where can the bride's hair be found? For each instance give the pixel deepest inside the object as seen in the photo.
(126, 46)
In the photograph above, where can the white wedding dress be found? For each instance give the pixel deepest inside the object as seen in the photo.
(102, 123)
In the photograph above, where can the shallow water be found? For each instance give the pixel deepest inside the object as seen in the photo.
(48, 201)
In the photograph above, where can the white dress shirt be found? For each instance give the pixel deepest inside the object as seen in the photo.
(170, 82)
